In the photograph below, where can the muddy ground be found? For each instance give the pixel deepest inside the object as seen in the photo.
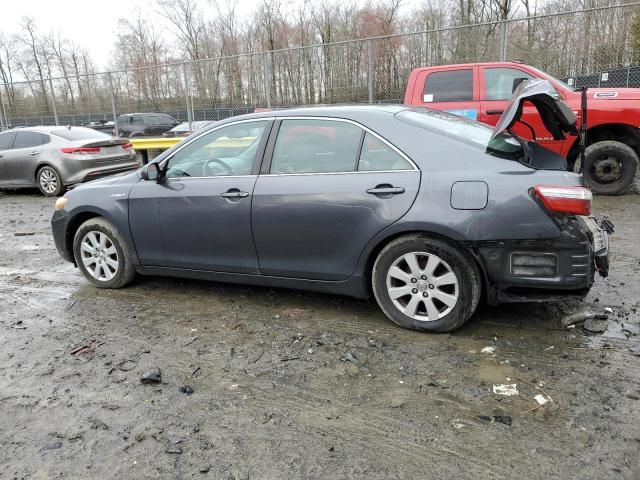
(289, 384)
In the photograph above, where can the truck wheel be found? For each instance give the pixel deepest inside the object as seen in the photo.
(426, 284)
(610, 167)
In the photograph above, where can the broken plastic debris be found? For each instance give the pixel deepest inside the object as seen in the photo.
(508, 389)
(541, 399)
(488, 350)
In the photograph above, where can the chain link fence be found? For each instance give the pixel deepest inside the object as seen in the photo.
(585, 48)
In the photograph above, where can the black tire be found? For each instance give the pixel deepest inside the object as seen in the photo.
(49, 181)
(469, 286)
(125, 272)
(610, 167)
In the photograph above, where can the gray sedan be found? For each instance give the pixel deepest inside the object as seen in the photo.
(53, 158)
(427, 211)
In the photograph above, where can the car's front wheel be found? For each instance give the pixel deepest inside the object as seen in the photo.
(101, 254)
(426, 284)
(49, 182)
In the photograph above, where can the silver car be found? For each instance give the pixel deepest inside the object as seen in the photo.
(53, 158)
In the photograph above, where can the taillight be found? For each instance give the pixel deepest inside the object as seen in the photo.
(74, 150)
(127, 146)
(573, 200)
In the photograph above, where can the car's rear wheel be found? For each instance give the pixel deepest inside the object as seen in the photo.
(610, 167)
(49, 182)
(101, 254)
(426, 284)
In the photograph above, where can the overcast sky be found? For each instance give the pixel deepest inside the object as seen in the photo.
(91, 23)
(94, 24)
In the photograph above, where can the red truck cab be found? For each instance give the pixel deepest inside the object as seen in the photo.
(481, 91)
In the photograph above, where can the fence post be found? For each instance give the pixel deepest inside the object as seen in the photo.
(370, 70)
(267, 78)
(503, 41)
(628, 72)
(2, 113)
(53, 102)
(185, 76)
(113, 102)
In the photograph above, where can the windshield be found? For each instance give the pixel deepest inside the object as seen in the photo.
(465, 130)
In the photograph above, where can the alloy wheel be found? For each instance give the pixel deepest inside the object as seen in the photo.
(422, 286)
(48, 180)
(99, 256)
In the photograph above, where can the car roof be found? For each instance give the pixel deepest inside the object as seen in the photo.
(458, 66)
(46, 128)
(350, 112)
(144, 113)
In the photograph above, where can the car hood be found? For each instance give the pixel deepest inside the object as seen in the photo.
(556, 115)
(123, 178)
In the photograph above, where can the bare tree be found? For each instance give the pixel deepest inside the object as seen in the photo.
(33, 60)
(7, 60)
(190, 29)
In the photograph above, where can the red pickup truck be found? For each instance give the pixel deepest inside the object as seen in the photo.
(481, 91)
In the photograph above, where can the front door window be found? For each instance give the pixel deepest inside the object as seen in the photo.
(499, 82)
(227, 151)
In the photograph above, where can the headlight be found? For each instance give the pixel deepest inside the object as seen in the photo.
(60, 203)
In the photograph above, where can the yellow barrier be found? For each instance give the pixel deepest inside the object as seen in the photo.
(144, 145)
(159, 143)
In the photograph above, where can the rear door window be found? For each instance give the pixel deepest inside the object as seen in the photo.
(316, 146)
(378, 156)
(449, 86)
(30, 140)
(158, 120)
(6, 139)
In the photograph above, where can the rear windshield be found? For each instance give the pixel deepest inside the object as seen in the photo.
(79, 133)
(464, 130)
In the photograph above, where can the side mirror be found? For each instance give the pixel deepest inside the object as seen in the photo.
(517, 82)
(151, 171)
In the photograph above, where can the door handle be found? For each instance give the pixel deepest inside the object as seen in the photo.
(234, 193)
(385, 190)
(33, 154)
(494, 112)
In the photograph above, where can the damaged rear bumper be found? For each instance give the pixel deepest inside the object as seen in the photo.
(547, 270)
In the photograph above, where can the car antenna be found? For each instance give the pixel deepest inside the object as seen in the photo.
(583, 127)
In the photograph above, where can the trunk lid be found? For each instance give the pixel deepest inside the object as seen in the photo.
(110, 150)
(556, 115)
